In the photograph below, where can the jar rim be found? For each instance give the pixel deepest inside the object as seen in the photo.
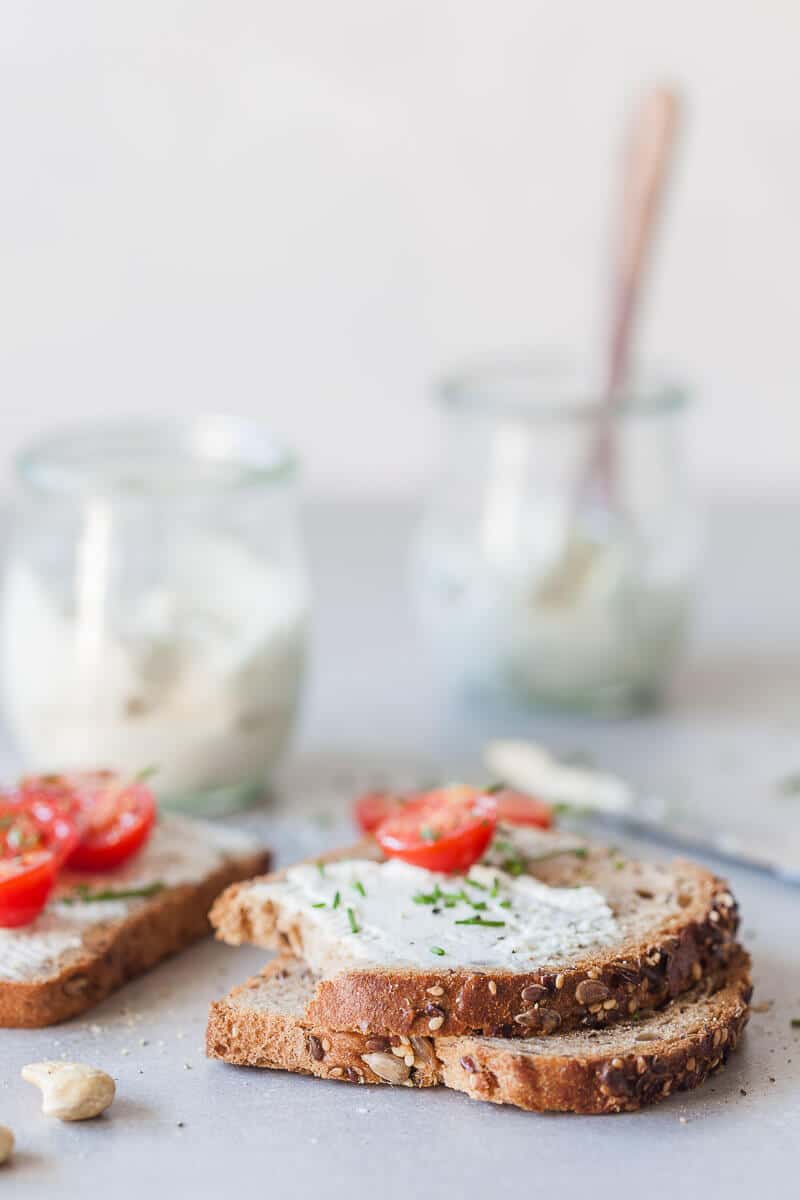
(135, 455)
(552, 386)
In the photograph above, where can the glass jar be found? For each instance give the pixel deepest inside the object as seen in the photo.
(155, 606)
(525, 586)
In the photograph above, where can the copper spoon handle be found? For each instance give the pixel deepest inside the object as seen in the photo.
(648, 158)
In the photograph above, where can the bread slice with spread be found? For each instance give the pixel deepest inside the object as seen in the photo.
(543, 936)
(96, 932)
(617, 1069)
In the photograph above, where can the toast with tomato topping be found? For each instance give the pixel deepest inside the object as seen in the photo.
(98, 931)
(546, 935)
(619, 1069)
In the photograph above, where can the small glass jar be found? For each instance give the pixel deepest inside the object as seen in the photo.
(524, 588)
(155, 606)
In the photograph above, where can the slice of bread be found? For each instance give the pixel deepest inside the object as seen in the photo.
(619, 1069)
(674, 923)
(79, 950)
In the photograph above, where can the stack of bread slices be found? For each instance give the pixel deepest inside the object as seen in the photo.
(639, 988)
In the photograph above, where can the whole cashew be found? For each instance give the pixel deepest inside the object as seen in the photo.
(6, 1143)
(70, 1091)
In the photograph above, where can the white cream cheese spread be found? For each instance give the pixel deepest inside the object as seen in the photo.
(199, 674)
(393, 913)
(179, 851)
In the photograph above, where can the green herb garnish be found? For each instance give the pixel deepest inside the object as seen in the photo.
(358, 885)
(145, 774)
(505, 904)
(479, 920)
(494, 788)
(437, 950)
(429, 897)
(319, 904)
(354, 925)
(581, 852)
(321, 867)
(495, 887)
(514, 864)
(337, 899)
(474, 883)
(429, 834)
(83, 895)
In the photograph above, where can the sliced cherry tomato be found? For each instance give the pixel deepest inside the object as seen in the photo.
(114, 818)
(373, 807)
(26, 881)
(28, 865)
(59, 826)
(518, 808)
(447, 829)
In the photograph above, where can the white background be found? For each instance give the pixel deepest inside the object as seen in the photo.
(302, 210)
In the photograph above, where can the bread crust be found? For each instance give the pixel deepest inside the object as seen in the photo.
(605, 987)
(640, 1069)
(116, 951)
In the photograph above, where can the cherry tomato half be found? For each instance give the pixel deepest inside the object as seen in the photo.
(59, 826)
(28, 865)
(373, 807)
(26, 881)
(518, 808)
(447, 829)
(114, 818)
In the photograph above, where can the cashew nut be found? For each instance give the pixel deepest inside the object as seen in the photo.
(70, 1091)
(6, 1143)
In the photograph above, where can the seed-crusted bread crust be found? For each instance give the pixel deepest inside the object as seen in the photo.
(618, 1069)
(680, 924)
(115, 951)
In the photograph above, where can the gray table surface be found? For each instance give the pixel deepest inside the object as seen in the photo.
(374, 710)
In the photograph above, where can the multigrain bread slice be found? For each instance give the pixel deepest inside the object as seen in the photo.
(79, 950)
(618, 1069)
(675, 923)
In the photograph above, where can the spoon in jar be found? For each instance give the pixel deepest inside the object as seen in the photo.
(596, 502)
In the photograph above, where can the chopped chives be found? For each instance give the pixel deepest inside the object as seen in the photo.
(319, 904)
(337, 899)
(495, 887)
(437, 950)
(358, 885)
(354, 925)
(83, 894)
(479, 920)
(474, 883)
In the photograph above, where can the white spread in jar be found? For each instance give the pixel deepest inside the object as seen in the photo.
(196, 670)
(178, 851)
